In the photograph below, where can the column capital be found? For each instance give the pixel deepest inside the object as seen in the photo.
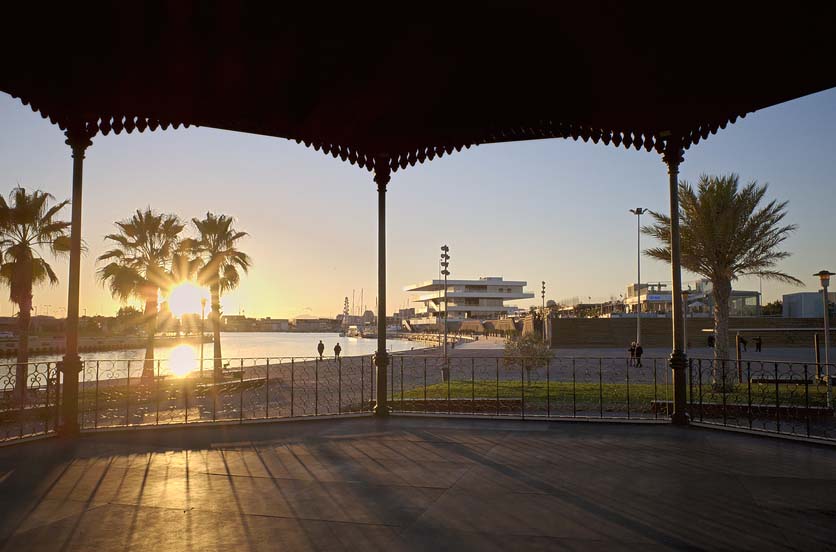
(382, 172)
(673, 155)
(79, 138)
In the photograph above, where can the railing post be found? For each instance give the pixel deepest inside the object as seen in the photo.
(699, 384)
(128, 396)
(574, 392)
(267, 391)
(690, 385)
(749, 390)
(316, 388)
(447, 367)
(340, 385)
(473, 386)
(157, 391)
(522, 389)
(47, 408)
(628, 390)
(292, 382)
(497, 386)
(600, 390)
(241, 391)
(548, 390)
(362, 384)
(186, 397)
(214, 392)
(96, 404)
(807, 399)
(426, 406)
(777, 401)
(723, 390)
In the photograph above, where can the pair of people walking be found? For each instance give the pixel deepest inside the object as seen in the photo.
(636, 353)
(321, 349)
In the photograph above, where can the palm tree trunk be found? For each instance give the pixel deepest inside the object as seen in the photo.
(22, 369)
(215, 293)
(724, 371)
(150, 330)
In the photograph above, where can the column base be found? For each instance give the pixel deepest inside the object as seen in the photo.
(381, 411)
(70, 367)
(679, 362)
(381, 362)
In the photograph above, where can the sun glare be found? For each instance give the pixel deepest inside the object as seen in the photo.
(185, 299)
(182, 360)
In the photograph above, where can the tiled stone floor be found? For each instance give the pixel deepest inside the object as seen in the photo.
(418, 484)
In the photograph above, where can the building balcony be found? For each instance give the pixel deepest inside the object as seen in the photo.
(504, 295)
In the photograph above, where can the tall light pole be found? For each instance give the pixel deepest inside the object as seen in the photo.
(543, 312)
(202, 320)
(638, 211)
(824, 276)
(445, 263)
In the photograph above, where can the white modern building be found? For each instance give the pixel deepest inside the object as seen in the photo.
(806, 304)
(482, 299)
(655, 299)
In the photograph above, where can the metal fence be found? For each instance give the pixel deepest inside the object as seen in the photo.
(29, 399)
(772, 396)
(612, 388)
(136, 393)
(781, 397)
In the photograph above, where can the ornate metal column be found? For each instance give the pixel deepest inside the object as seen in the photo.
(382, 174)
(672, 157)
(79, 140)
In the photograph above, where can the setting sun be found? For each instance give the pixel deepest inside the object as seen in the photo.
(182, 360)
(185, 299)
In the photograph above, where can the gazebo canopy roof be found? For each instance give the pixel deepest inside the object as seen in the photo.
(405, 91)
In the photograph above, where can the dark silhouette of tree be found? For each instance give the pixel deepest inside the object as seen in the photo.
(27, 227)
(139, 264)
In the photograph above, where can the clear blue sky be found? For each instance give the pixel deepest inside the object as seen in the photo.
(553, 210)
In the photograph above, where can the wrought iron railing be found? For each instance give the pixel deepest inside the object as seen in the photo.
(140, 393)
(771, 396)
(29, 399)
(611, 388)
(782, 397)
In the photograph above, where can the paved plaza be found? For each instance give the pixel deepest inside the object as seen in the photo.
(418, 484)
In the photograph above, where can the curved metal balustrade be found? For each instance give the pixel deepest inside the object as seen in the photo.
(775, 397)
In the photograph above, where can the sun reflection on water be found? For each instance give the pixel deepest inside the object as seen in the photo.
(182, 360)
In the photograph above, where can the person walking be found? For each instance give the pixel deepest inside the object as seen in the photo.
(639, 353)
(337, 350)
(320, 348)
(743, 342)
(758, 344)
(632, 351)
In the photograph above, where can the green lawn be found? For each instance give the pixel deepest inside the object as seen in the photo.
(610, 393)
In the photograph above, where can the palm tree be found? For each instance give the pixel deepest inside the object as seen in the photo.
(27, 226)
(216, 247)
(138, 266)
(725, 234)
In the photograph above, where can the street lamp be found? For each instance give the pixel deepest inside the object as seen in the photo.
(639, 211)
(824, 276)
(202, 320)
